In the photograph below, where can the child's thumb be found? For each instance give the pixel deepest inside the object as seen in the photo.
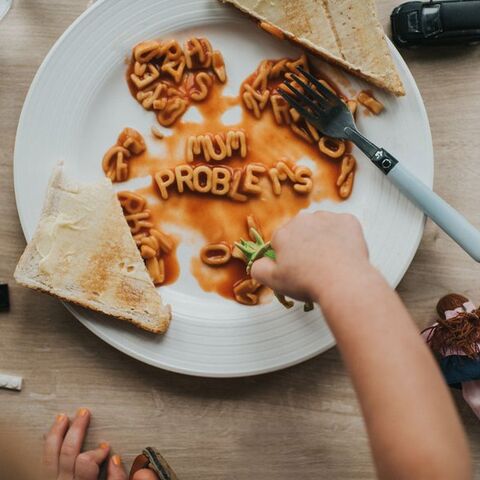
(263, 271)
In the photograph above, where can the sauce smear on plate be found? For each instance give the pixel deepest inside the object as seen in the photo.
(219, 218)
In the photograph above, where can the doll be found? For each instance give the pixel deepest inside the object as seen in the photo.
(455, 341)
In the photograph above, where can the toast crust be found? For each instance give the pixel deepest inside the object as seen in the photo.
(345, 30)
(83, 252)
(159, 329)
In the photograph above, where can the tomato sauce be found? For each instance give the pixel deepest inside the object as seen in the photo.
(217, 218)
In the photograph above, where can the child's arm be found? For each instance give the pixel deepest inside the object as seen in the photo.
(414, 430)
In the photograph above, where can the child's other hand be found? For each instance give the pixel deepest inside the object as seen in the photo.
(313, 250)
(63, 458)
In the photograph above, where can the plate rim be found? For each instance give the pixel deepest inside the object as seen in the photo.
(406, 72)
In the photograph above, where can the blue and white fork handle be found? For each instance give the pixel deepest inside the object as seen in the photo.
(444, 215)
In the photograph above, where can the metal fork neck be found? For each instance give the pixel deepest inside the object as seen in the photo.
(380, 157)
(365, 145)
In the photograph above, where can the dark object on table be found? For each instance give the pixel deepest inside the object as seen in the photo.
(152, 459)
(4, 298)
(444, 22)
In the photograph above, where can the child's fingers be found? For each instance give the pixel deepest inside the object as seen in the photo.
(116, 471)
(145, 474)
(87, 464)
(72, 444)
(53, 444)
(263, 271)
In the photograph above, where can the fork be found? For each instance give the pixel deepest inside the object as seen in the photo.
(331, 116)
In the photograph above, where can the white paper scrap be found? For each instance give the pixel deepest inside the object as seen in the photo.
(11, 382)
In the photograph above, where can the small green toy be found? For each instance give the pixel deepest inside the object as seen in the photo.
(258, 248)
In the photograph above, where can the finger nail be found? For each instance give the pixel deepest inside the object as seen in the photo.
(104, 445)
(60, 417)
(117, 460)
(82, 412)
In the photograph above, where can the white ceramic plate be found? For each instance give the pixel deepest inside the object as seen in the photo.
(79, 102)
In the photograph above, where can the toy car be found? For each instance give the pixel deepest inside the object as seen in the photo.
(444, 22)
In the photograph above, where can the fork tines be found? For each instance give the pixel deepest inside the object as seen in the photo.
(296, 104)
(309, 92)
(329, 95)
(316, 99)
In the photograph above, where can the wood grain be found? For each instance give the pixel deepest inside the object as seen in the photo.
(303, 421)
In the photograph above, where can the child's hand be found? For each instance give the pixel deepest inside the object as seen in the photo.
(312, 251)
(323, 257)
(64, 460)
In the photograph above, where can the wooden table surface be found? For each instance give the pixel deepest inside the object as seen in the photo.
(302, 422)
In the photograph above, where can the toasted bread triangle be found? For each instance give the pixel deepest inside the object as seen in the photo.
(83, 252)
(343, 32)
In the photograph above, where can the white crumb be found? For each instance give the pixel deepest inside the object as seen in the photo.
(11, 382)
